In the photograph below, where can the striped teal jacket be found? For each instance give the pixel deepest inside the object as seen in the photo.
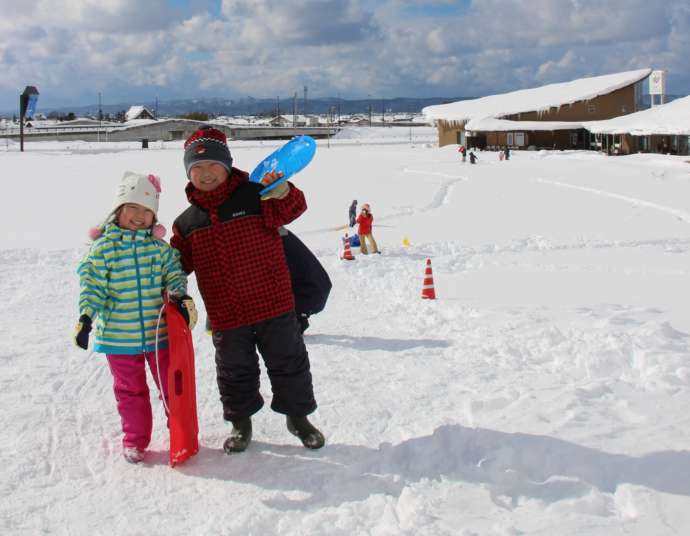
(122, 279)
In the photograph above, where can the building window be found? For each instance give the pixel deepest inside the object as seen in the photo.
(639, 91)
(591, 108)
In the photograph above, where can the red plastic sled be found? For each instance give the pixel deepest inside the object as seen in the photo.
(182, 421)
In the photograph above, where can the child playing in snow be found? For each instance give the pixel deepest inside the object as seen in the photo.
(122, 279)
(229, 237)
(366, 221)
(463, 152)
(352, 213)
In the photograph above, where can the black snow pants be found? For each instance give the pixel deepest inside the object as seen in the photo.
(280, 342)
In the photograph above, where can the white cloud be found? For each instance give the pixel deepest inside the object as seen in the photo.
(347, 47)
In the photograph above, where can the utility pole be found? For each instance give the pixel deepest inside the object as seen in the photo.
(294, 109)
(305, 101)
(100, 117)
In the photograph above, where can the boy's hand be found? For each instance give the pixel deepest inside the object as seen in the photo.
(270, 177)
(81, 332)
(185, 305)
(278, 192)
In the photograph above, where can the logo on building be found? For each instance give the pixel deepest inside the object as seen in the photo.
(657, 83)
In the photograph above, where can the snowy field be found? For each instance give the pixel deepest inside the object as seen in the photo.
(545, 392)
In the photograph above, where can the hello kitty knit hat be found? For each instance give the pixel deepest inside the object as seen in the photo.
(144, 190)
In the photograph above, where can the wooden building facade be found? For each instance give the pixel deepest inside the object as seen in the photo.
(464, 125)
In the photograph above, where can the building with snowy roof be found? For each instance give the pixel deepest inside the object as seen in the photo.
(662, 129)
(549, 116)
(138, 112)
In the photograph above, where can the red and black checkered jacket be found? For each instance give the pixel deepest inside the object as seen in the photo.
(229, 238)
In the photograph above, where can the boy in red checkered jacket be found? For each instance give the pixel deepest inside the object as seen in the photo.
(229, 238)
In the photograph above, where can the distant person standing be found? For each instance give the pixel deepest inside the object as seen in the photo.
(506, 152)
(463, 152)
(353, 213)
(473, 157)
(366, 222)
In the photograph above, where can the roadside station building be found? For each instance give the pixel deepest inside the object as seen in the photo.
(550, 116)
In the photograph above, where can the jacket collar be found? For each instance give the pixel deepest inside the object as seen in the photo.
(114, 232)
(213, 199)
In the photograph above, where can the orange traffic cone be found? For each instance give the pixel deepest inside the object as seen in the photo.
(428, 291)
(347, 253)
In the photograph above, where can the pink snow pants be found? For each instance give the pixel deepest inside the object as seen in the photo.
(132, 393)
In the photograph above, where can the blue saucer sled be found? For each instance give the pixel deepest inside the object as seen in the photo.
(289, 159)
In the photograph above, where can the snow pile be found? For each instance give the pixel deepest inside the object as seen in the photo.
(401, 133)
(535, 99)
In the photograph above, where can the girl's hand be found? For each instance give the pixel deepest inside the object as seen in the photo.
(185, 305)
(81, 332)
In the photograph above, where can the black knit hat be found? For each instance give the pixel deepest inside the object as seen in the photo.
(207, 143)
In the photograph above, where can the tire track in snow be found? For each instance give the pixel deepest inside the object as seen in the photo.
(442, 195)
(680, 214)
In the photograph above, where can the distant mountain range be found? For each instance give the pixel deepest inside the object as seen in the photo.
(252, 106)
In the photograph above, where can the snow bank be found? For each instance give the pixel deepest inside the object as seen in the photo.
(544, 392)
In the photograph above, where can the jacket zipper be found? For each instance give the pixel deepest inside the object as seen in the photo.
(141, 300)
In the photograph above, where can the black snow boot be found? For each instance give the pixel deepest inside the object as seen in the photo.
(240, 436)
(308, 434)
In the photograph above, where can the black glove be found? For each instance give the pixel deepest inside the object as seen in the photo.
(81, 332)
(185, 304)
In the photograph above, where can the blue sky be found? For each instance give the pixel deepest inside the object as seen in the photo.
(132, 51)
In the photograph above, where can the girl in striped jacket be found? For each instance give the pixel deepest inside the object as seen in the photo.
(122, 279)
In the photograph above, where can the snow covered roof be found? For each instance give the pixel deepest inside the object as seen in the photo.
(491, 124)
(535, 99)
(665, 119)
(135, 111)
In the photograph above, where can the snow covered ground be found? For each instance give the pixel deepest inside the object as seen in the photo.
(545, 392)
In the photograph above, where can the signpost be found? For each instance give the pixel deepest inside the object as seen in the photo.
(657, 85)
(27, 108)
